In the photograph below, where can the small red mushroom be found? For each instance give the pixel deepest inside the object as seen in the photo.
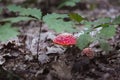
(65, 39)
(88, 52)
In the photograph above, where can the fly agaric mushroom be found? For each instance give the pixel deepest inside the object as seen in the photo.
(88, 52)
(65, 39)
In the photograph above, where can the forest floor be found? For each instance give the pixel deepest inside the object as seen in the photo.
(24, 59)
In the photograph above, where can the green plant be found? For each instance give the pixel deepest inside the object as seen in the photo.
(0, 10)
(58, 23)
(7, 32)
(24, 14)
(54, 21)
(106, 31)
(70, 3)
(76, 17)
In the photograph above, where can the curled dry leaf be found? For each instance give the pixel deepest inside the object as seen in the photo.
(43, 58)
(2, 60)
(32, 42)
(28, 57)
(55, 49)
(47, 35)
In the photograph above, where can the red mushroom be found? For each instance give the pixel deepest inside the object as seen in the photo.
(88, 52)
(65, 39)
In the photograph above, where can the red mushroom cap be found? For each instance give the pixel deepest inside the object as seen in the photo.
(65, 39)
(88, 52)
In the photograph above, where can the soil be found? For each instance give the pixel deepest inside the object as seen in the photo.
(33, 56)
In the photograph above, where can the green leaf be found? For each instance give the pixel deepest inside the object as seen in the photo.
(76, 17)
(85, 22)
(0, 9)
(116, 21)
(56, 22)
(15, 8)
(84, 40)
(101, 21)
(7, 32)
(70, 3)
(34, 12)
(104, 45)
(107, 32)
(17, 19)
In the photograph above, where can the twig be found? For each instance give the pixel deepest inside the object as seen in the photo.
(39, 39)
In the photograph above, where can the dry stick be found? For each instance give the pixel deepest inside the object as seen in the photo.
(39, 39)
